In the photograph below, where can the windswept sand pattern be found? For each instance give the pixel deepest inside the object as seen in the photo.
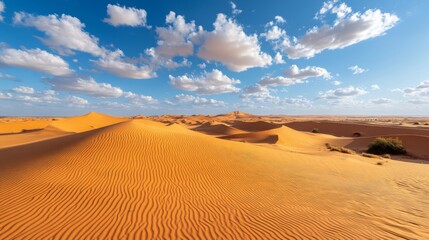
(143, 180)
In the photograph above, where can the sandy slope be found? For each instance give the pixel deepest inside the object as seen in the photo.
(42, 129)
(348, 129)
(86, 122)
(7, 140)
(415, 141)
(22, 125)
(254, 126)
(144, 180)
(217, 128)
(283, 136)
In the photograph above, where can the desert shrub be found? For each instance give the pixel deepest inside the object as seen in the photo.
(380, 163)
(416, 123)
(369, 155)
(386, 145)
(339, 149)
(386, 156)
(315, 130)
(357, 134)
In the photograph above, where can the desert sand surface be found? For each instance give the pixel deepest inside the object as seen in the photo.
(230, 176)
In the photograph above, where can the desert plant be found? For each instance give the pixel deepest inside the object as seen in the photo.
(357, 134)
(386, 145)
(339, 149)
(315, 130)
(369, 155)
(386, 156)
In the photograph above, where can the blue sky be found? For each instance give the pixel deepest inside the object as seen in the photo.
(69, 57)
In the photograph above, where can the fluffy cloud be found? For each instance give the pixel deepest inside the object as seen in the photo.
(279, 19)
(422, 90)
(278, 59)
(327, 6)
(348, 29)
(76, 101)
(174, 39)
(214, 82)
(2, 7)
(125, 16)
(28, 95)
(84, 85)
(261, 94)
(357, 70)
(195, 101)
(35, 59)
(258, 93)
(139, 100)
(64, 33)
(23, 90)
(230, 45)
(295, 75)
(114, 63)
(341, 93)
(274, 33)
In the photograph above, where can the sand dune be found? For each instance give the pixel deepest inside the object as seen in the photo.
(349, 129)
(7, 140)
(86, 122)
(23, 125)
(415, 140)
(254, 126)
(144, 180)
(217, 128)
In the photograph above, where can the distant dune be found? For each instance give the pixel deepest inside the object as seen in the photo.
(102, 177)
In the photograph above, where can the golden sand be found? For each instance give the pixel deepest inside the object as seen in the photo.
(117, 178)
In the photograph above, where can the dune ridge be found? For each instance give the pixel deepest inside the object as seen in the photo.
(139, 179)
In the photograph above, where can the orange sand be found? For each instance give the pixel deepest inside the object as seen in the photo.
(138, 179)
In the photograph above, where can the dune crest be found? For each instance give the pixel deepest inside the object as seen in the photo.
(89, 121)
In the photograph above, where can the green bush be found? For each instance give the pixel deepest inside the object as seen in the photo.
(386, 146)
(339, 149)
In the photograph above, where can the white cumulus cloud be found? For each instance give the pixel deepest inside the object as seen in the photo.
(24, 90)
(230, 45)
(35, 59)
(174, 39)
(113, 62)
(295, 75)
(195, 101)
(348, 29)
(64, 33)
(125, 16)
(214, 82)
(341, 93)
(86, 85)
